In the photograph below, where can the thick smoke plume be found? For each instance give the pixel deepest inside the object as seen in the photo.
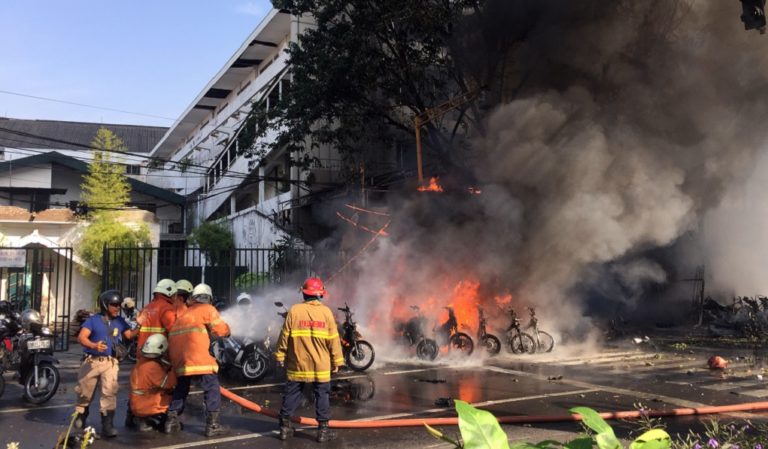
(621, 125)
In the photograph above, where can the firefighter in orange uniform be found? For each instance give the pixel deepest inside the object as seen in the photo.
(189, 351)
(183, 290)
(152, 384)
(151, 317)
(310, 350)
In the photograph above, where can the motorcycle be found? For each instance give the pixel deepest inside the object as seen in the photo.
(411, 333)
(358, 353)
(448, 334)
(490, 342)
(10, 326)
(37, 371)
(244, 355)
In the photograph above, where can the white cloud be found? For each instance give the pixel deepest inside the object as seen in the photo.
(258, 8)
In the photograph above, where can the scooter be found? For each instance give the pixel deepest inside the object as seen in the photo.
(37, 371)
(244, 355)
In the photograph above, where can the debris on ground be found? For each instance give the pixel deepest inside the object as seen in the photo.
(717, 362)
(431, 381)
(555, 378)
(444, 402)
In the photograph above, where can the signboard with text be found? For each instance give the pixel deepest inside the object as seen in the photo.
(13, 258)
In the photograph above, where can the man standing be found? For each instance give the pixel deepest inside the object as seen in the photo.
(310, 350)
(183, 290)
(191, 359)
(151, 317)
(152, 384)
(98, 336)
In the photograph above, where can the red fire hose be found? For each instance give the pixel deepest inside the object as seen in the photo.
(528, 419)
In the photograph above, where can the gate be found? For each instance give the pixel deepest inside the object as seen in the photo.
(135, 271)
(40, 278)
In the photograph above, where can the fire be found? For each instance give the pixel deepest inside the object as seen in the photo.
(434, 185)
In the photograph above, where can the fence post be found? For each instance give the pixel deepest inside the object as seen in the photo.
(105, 268)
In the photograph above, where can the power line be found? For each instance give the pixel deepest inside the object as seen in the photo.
(84, 105)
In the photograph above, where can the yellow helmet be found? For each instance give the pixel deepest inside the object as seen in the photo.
(184, 285)
(165, 287)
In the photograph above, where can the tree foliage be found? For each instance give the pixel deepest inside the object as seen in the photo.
(112, 233)
(214, 240)
(105, 188)
(363, 72)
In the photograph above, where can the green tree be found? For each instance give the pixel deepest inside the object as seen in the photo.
(214, 240)
(105, 188)
(361, 75)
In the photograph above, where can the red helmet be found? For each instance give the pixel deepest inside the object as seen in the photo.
(313, 287)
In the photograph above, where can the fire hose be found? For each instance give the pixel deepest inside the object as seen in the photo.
(524, 419)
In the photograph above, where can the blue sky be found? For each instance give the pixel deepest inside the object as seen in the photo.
(150, 57)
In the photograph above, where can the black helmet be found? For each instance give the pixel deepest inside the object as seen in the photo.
(110, 297)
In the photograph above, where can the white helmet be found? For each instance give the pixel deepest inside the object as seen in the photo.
(244, 299)
(165, 287)
(129, 303)
(202, 293)
(155, 346)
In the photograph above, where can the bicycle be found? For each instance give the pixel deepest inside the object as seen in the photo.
(544, 341)
(518, 341)
(490, 342)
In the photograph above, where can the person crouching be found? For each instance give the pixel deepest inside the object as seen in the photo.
(152, 384)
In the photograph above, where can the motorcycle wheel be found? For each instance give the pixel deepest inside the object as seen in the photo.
(546, 342)
(491, 344)
(522, 343)
(254, 367)
(51, 375)
(360, 356)
(426, 349)
(132, 351)
(462, 342)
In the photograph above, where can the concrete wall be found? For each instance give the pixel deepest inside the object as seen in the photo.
(27, 176)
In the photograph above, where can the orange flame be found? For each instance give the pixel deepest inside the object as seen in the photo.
(433, 186)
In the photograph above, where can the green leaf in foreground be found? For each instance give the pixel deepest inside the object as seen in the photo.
(479, 428)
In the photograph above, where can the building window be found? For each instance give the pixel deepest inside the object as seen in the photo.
(131, 169)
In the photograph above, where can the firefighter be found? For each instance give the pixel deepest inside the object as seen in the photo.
(151, 317)
(310, 351)
(183, 290)
(152, 384)
(189, 343)
(97, 336)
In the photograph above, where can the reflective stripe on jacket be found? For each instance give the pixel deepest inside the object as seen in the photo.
(309, 343)
(151, 321)
(152, 385)
(189, 342)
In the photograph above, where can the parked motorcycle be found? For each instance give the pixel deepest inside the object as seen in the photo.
(10, 326)
(358, 353)
(411, 333)
(448, 334)
(490, 342)
(244, 355)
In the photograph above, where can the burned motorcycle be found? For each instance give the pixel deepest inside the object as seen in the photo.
(411, 333)
(358, 353)
(244, 355)
(490, 342)
(448, 334)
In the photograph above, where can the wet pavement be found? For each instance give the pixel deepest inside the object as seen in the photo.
(544, 384)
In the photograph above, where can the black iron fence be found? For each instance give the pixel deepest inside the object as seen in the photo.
(135, 271)
(40, 278)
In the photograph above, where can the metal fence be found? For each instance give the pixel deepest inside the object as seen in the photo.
(40, 278)
(135, 271)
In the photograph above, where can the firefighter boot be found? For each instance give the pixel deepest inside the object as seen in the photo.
(143, 424)
(130, 422)
(107, 424)
(212, 425)
(172, 423)
(80, 420)
(324, 433)
(286, 431)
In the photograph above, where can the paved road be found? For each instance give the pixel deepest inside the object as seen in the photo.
(612, 379)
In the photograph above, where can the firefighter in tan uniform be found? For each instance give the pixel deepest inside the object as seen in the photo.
(151, 317)
(152, 384)
(310, 350)
(189, 349)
